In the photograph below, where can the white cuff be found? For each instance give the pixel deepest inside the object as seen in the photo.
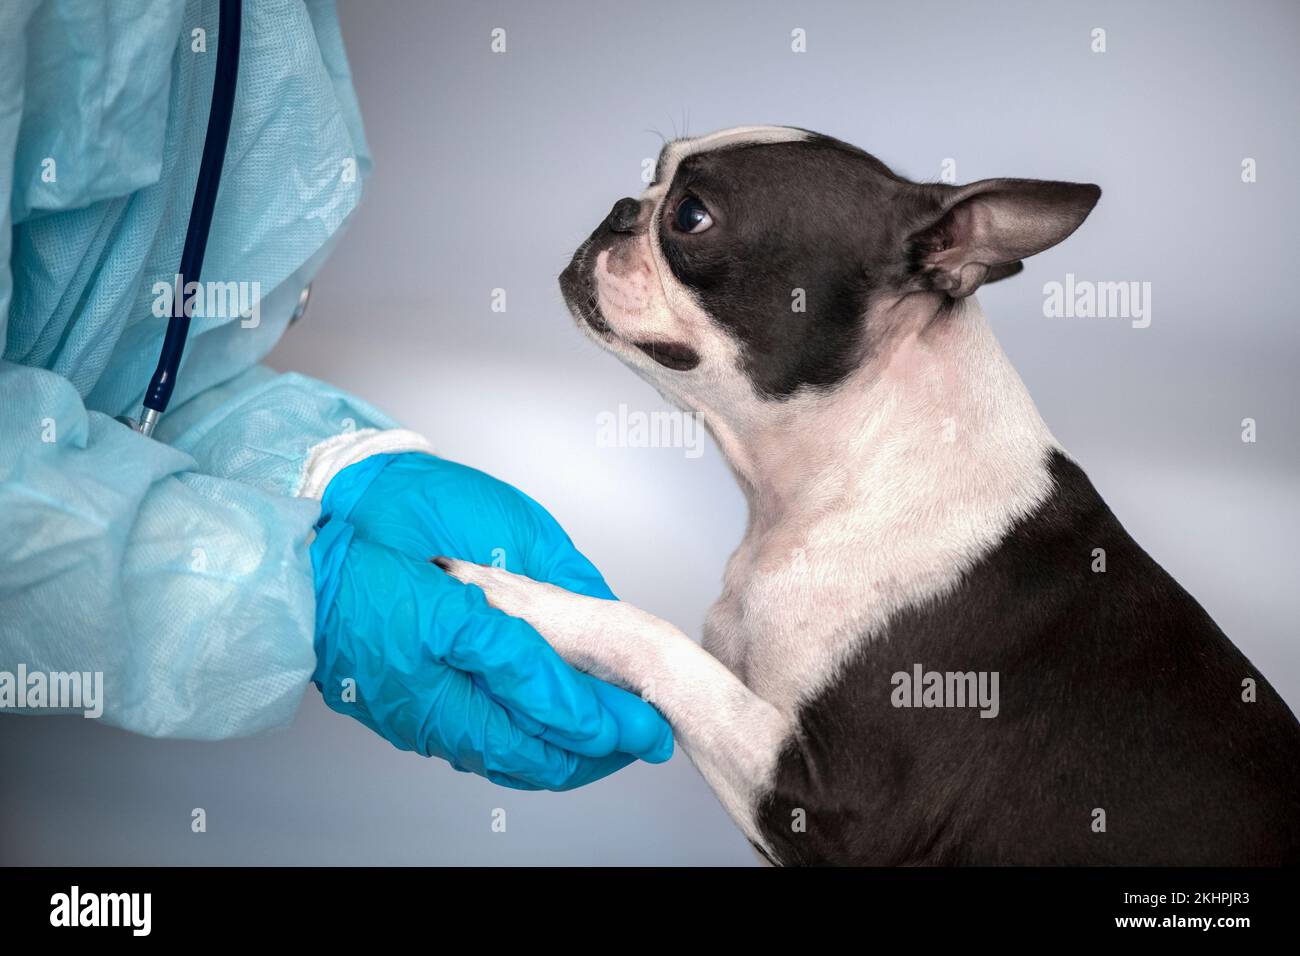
(328, 458)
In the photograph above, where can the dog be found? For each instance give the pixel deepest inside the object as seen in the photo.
(935, 643)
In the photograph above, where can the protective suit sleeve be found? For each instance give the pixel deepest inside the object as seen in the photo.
(187, 585)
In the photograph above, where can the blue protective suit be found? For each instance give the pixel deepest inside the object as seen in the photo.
(178, 567)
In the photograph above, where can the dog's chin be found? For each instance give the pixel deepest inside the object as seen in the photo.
(671, 355)
(575, 284)
(580, 297)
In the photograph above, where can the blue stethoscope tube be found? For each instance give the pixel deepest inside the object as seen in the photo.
(163, 382)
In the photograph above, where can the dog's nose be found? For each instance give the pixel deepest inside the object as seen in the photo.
(623, 217)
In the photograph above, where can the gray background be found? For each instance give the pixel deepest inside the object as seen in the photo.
(491, 168)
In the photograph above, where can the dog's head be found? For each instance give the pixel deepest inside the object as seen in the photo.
(765, 261)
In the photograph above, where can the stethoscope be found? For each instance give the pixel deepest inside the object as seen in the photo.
(159, 392)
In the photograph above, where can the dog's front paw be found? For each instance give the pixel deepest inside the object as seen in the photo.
(511, 593)
(585, 631)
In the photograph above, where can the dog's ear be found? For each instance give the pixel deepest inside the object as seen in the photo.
(979, 233)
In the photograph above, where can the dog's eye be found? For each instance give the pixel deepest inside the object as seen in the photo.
(692, 216)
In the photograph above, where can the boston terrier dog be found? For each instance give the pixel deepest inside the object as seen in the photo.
(935, 644)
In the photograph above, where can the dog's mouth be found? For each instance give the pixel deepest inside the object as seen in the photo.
(579, 293)
(578, 286)
(673, 355)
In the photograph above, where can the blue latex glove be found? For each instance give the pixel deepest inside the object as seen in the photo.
(436, 669)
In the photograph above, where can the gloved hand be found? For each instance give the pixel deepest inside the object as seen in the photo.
(434, 668)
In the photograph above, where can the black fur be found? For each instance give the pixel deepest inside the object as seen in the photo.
(1117, 691)
(831, 220)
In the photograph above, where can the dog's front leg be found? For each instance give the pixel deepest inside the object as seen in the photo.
(733, 736)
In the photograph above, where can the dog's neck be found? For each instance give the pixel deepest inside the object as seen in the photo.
(935, 435)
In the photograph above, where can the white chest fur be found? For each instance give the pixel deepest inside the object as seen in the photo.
(876, 499)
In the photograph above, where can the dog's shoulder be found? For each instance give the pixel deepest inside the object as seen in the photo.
(1116, 693)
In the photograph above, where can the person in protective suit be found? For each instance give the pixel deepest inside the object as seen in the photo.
(273, 531)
